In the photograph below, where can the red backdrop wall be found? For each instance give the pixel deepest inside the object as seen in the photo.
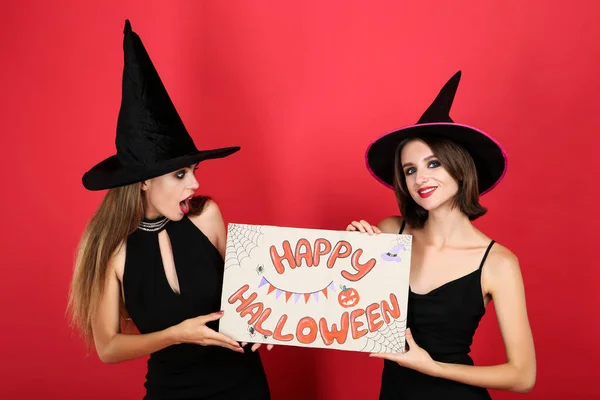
(303, 87)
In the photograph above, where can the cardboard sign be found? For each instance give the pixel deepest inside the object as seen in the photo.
(316, 288)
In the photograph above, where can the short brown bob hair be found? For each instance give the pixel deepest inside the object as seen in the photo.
(459, 164)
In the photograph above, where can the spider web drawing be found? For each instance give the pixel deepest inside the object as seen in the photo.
(404, 240)
(388, 339)
(243, 240)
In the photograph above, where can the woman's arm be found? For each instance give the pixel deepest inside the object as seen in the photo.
(113, 347)
(504, 283)
(502, 276)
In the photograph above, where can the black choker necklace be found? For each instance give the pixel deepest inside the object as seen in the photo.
(153, 226)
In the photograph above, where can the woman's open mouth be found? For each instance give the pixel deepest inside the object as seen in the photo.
(184, 205)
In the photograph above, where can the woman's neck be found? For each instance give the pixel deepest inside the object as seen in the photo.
(151, 214)
(447, 226)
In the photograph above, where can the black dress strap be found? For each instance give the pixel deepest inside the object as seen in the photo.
(402, 226)
(487, 251)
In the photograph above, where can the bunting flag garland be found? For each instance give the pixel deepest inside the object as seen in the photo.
(287, 295)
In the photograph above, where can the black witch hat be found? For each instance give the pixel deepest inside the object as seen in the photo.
(151, 138)
(489, 156)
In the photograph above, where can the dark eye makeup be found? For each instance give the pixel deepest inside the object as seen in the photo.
(181, 173)
(430, 164)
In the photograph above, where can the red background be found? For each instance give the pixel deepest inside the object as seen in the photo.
(303, 87)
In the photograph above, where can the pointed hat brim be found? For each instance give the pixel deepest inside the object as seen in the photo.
(490, 158)
(110, 173)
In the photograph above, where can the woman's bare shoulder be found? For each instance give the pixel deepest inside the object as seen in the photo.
(210, 223)
(210, 214)
(501, 267)
(502, 257)
(390, 224)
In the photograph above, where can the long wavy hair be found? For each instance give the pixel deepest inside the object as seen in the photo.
(118, 215)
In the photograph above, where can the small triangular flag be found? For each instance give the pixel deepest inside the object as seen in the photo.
(287, 296)
(332, 286)
(271, 288)
(306, 297)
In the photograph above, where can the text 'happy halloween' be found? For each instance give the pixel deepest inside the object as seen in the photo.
(308, 329)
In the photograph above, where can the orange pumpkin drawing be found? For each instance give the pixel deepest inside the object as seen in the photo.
(348, 297)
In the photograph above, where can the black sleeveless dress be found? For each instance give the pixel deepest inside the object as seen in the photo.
(186, 371)
(443, 322)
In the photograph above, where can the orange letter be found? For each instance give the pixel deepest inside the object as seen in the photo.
(357, 324)
(321, 252)
(251, 310)
(340, 335)
(371, 316)
(258, 327)
(278, 335)
(238, 296)
(386, 309)
(287, 255)
(307, 256)
(306, 322)
(362, 269)
(336, 252)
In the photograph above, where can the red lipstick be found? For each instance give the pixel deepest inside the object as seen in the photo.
(426, 191)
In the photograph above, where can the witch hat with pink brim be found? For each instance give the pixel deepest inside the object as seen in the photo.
(490, 158)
